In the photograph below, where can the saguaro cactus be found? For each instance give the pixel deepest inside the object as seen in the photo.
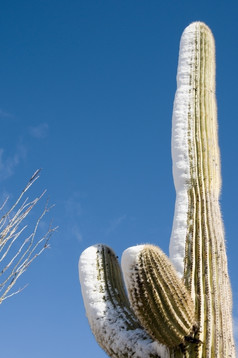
(182, 307)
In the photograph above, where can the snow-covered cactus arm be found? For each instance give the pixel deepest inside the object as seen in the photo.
(115, 326)
(197, 246)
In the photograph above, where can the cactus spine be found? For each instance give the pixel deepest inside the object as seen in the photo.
(185, 309)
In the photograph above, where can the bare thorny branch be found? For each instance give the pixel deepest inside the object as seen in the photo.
(15, 254)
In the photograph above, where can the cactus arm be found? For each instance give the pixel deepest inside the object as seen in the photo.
(111, 319)
(197, 246)
(158, 296)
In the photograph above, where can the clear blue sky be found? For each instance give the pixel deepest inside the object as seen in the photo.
(86, 93)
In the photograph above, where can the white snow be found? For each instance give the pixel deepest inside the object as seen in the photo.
(180, 136)
(108, 323)
(128, 261)
(90, 286)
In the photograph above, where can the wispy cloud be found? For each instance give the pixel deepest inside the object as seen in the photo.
(115, 223)
(75, 230)
(9, 164)
(5, 115)
(73, 206)
(73, 211)
(40, 131)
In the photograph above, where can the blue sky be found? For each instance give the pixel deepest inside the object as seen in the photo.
(86, 93)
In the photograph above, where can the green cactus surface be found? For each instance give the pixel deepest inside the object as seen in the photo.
(182, 306)
(158, 296)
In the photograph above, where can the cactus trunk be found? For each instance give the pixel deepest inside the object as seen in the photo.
(183, 309)
(204, 261)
